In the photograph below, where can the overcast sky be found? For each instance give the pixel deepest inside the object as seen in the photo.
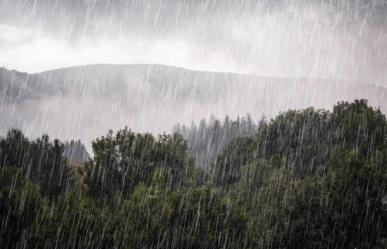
(344, 39)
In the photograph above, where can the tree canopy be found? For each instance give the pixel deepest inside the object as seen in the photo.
(309, 178)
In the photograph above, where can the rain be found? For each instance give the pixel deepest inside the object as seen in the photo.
(257, 124)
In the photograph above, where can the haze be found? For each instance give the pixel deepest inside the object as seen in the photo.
(315, 39)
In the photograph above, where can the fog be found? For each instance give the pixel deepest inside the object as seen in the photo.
(284, 54)
(196, 124)
(85, 102)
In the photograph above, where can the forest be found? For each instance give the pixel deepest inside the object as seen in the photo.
(306, 179)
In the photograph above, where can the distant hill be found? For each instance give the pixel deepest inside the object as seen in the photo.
(84, 102)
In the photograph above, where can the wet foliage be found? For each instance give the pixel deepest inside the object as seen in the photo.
(305, 179)
(75, 151)
(207, 139)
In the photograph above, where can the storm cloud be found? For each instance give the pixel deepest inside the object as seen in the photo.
(317, 39)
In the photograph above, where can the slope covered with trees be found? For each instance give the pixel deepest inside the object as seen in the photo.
(75, 151)
(207, 139)
(306, 179)
(155, 97)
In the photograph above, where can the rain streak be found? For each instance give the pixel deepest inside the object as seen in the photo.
(209, 124)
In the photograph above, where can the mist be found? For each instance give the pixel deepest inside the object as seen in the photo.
(315, 39)
(284, 54)
(196, 124)
(85, 102)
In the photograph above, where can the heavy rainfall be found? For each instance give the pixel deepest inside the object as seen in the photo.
(256, 124)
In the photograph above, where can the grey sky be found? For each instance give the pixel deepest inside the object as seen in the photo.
(344, 39)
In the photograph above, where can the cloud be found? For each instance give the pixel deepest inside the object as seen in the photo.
(35, 53)
(326, 39)
(12, 35)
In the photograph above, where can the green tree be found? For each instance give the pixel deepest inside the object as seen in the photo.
(123, 160)
(21, 204)
(40, 160)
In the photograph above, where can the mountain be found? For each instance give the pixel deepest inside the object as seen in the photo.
(84, 102)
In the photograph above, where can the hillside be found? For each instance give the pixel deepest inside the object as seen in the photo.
(155, 97)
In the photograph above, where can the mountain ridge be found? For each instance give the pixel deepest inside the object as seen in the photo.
(154, 97)
(191, 70)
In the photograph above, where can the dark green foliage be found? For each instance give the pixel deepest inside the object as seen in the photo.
(304, 140)
(354, 188)
(359, 126)
(252, 178)
(293, 136)
(207, 139)
(307, 179)
(21, 205)
(123, 160)
(228, 165)
(191, 218)
(40, 160)
(342, 209)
